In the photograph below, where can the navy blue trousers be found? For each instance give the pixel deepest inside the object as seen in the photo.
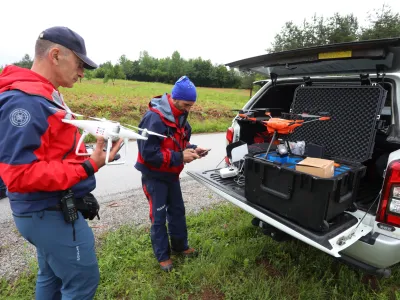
(3, 189)
(2, 185)
(68, 269)
(166, 205)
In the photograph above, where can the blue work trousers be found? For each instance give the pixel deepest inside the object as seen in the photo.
(166, 204)
(2, 185)
(68, 269)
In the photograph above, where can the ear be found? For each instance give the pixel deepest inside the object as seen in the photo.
(54, 55)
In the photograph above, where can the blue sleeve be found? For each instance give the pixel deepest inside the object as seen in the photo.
(189, 131)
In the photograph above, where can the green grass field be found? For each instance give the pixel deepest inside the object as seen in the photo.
(236, 261)
(127, 101)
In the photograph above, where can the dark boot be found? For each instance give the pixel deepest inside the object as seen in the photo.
(166, 265)
(191, 252)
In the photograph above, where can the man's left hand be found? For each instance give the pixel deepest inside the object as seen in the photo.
(201, 151)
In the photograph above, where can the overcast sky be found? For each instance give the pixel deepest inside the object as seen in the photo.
(217, 30)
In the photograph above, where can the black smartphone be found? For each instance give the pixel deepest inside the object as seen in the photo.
(204, 152)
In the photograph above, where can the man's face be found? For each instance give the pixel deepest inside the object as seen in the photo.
(69, 69)
(183, 105)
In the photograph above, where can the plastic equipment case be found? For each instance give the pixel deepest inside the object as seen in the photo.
(348, 139)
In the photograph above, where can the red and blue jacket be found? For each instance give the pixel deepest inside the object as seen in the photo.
(37, 150)
(160, 157)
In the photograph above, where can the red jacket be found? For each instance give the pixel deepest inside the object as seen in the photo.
(162, 157)
(37, 150)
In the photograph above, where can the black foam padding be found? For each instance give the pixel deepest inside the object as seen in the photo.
(350, 133)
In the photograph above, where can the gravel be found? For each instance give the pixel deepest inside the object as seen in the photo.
(129, 207)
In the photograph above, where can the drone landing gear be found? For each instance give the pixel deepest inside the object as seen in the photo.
(109, 145)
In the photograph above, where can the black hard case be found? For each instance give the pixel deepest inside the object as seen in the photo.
(348, 138)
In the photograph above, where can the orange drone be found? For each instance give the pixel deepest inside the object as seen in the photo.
(284, 126)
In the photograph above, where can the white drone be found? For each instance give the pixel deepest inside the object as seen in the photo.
(110, 130)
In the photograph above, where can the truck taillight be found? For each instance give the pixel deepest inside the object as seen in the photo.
(389, 207)
(229, 135)
(229, 140)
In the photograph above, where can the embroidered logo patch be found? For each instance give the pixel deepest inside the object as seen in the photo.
(19, 117)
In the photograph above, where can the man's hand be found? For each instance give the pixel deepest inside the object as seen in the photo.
(201, 151)
(189, 155)
(99, 156)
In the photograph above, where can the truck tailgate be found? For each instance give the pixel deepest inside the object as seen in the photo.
(346, 231)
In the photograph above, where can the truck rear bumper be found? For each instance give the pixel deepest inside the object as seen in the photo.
(377, 250)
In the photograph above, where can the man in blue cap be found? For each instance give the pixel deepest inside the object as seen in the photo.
(41, 170)
(161, 160)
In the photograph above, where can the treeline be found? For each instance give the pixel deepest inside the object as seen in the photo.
(383, 23)
(169, 69)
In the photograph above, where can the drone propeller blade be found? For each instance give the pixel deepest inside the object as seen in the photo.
(104, 120)
(149, 132)
(68, 112)
(308, 116)
(132, 126)
(98, 119)
(155, 133)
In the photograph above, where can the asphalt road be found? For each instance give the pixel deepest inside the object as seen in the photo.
(118, 181)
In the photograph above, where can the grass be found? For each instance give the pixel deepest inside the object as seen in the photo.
(126, 102)
(236, 261)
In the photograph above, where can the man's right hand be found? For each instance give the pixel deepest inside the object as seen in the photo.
(99, 156)
(189, 155)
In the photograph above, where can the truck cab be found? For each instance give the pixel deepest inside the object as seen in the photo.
(354, 215)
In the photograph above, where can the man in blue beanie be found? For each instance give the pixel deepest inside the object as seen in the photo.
(161, 160)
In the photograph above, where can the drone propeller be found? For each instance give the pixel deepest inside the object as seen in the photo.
(102, 119)
(148, 131)
(68, 112)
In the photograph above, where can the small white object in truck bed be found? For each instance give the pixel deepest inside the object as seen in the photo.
(231, 171)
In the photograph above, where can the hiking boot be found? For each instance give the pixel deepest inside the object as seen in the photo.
(166, 265)
(191, 252)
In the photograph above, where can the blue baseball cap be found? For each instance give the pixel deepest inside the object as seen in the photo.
(69, 39)
(184, 89)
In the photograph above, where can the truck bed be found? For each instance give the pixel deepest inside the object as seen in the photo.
(228, 186)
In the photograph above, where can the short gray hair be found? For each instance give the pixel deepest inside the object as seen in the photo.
(42, 47)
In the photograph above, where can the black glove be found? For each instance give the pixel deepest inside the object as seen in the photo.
(88, 206)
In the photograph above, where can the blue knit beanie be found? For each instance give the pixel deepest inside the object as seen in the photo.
(184, 89)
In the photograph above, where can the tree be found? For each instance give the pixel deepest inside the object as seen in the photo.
(127, 67)
(26, 62)
(89, 74)
(318, 31)
(336, 29)
(113, 73)
(383, 24)
(176, 67)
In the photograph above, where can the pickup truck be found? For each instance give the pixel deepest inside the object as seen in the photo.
(364, 131)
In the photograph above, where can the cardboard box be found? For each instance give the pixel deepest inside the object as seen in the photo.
(316, 166)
